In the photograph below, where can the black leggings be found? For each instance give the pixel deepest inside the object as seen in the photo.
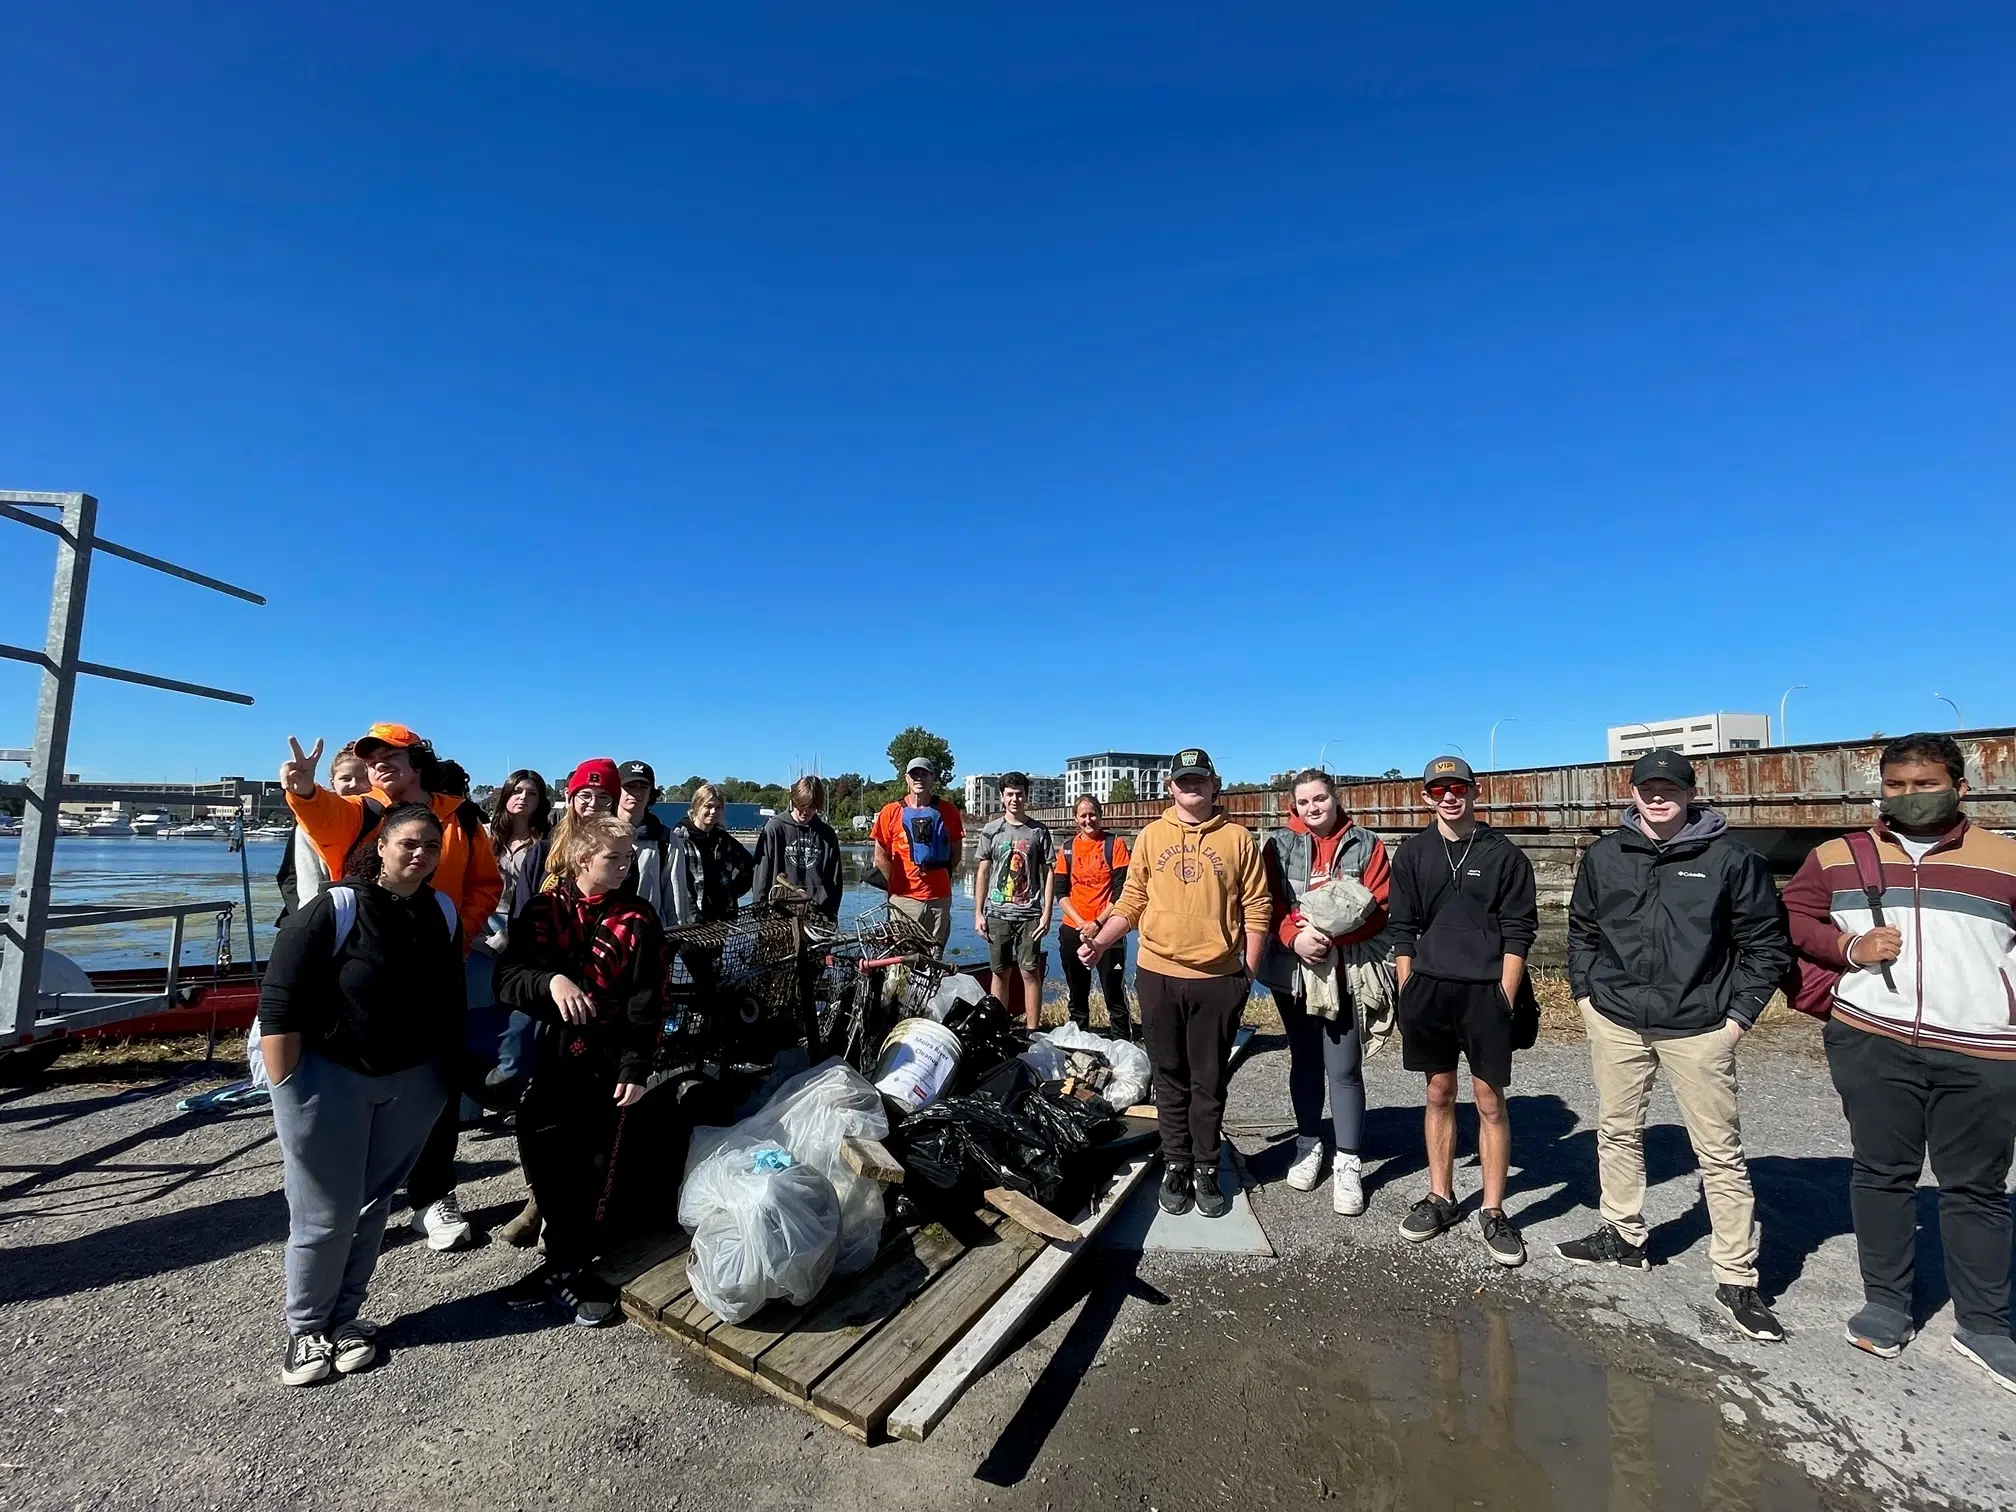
(566, 1136)
(1112, 970)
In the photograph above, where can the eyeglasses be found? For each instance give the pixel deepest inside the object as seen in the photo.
(1445, 789)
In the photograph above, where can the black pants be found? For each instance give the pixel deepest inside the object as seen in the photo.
(433, 1175)
(566, 1135)
(1189, 1024)
(1112, 969)
(1904, 1102)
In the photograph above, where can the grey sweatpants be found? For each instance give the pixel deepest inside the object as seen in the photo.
(347, 1141)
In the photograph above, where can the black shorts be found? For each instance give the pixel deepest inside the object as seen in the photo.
(1440, 1020)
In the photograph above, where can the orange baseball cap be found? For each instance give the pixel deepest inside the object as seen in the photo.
(387, 735)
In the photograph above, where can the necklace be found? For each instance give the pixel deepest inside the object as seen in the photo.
(1456, 862)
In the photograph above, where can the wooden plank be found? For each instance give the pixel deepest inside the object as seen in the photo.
(831, 1332)
(690, 1316)
(1140, 1110)
(926, 1406)
(1031, 1214)
(635, 1257)
(874, 1378)
(871, 1158)
(659, 1287)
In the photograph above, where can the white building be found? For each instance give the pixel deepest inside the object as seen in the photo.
(1097, 775)
(983, 794)
(1694, 735)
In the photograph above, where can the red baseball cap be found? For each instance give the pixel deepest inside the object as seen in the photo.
(598, 773)
(386, 735)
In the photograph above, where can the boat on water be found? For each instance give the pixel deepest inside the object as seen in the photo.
(151, 823)
(271, 832)
(197, 831)
(108, 827)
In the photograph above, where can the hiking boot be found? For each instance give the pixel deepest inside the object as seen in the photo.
(1501, 1240)
(1747, 1311)
(590, 1299)
(1211, 1199)
(1307, 1168)
(443, 1224)
(1176, 1189)
(307, 1360)
(1994, 1353)
(1347, 1187)
(1430, 1216)
(1881, 1331)
(522, 1232)
(1604, 1247)
(355, 1344)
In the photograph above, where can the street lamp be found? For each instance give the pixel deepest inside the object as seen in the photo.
(1783, 738)
(1508, 719)
(1323, 749)
(1957, 722)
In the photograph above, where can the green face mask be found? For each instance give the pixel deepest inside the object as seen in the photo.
(1922, 811)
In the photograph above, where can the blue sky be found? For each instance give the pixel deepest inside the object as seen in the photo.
(736, 389)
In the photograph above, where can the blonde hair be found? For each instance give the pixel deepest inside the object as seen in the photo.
(580, 846)
(809, 793)
(701, 794)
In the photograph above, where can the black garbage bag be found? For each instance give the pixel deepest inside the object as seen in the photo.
(1011, 1131)
(988, 1035)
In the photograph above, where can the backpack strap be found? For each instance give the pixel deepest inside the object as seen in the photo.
(343, 902)
(471, 819)
(448, 914)
(1868, 870)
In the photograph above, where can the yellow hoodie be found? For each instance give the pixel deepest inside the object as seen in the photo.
(1194, 891)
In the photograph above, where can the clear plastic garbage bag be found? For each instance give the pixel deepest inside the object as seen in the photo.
(764, 1226)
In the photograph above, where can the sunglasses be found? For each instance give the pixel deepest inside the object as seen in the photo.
(1444, 789)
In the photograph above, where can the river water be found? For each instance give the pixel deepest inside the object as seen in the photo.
(138, 871)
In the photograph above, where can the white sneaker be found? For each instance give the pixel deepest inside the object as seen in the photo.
(1347, 1187)
(443, 1224)
(1308, 1167)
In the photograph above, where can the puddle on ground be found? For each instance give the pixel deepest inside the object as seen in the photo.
(1269, 1399)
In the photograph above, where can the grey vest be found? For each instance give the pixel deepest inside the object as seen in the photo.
(1295, 850)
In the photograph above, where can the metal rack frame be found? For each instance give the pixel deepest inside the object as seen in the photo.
(26, 1013)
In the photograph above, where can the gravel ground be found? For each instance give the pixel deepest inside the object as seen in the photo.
(139, 1321)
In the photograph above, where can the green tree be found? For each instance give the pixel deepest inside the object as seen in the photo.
(1391, 773)
(918, 741)
(1123, 791)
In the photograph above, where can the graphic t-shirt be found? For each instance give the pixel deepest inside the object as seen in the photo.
(1091, 878)
(891, 832)
(1021, 855)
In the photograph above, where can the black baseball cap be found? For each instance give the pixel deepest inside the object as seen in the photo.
(1448, 769)
(1192, 763)
(1669, 765)
(638, 771)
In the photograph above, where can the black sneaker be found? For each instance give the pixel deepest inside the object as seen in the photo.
(1747, 1310)
(1211, 1199)
(534, 1289)
(1501, 1240)
(1430, 1216)
(309, 1359)
(587, 1296)
(1176, 1189)
(1604, 1247)
(355, 1345)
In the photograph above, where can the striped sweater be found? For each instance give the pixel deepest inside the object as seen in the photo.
(1956, 909)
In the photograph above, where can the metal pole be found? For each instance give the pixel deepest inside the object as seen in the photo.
(1784, 739)
(1958, 724)
(27, 926)
(245, 876)
(1508, 719)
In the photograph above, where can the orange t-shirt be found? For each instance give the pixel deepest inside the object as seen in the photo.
(905, 879)
(1091, 878)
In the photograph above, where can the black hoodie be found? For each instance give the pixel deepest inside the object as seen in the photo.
(1461, 906)
(805, 855)
(1672, 939)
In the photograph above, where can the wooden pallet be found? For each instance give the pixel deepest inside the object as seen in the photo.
(859, 1350)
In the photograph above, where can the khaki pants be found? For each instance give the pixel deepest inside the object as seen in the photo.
(932, 915)
(1702, 1070)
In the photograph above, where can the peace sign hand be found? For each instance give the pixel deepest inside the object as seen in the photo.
(298, 774)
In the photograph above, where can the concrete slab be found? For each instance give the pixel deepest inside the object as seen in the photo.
(1142, 1225)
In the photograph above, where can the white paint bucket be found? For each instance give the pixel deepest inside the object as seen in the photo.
(917, 1062)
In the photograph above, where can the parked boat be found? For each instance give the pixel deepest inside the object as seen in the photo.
(197, 831)
(271, 832)
(151, 823)
(108, 827)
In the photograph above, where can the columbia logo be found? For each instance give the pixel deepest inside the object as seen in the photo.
(1473, 872)
(1702, 875)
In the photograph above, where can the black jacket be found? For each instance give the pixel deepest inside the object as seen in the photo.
(805, 855)
(1671, 940)
(392, 997)
(1460, 907)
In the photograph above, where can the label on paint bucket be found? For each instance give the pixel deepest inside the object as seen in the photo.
(917, 1063)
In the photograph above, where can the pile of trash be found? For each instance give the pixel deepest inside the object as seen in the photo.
(966, 1100)
(771, 1204)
